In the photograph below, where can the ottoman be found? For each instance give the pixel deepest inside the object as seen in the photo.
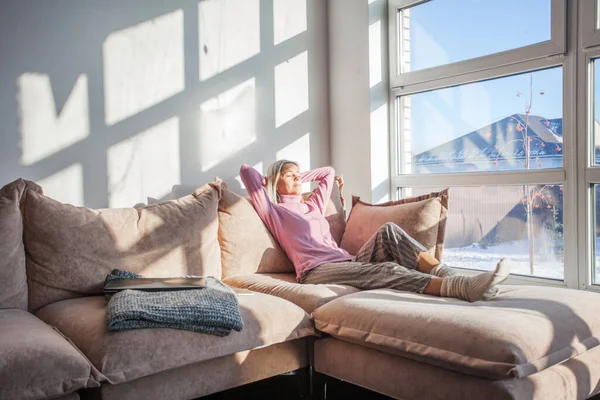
(529, 342)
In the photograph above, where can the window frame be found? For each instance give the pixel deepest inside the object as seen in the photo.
(525, 59)
(589, 13)
(554, 47)
(589, 173)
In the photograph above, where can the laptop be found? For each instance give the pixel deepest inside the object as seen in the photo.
(153, 284)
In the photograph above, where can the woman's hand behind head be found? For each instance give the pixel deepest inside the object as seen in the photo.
(340, 181)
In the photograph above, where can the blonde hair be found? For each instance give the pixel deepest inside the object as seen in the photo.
(273, 174)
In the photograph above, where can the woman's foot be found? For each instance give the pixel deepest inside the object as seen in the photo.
(478, 287)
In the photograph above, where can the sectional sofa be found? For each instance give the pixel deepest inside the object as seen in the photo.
(530, 342)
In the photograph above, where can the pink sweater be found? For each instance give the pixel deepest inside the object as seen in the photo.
(300, 227)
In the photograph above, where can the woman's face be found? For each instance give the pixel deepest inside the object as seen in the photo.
(289, 180)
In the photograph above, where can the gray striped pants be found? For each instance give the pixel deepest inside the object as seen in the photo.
(387, 260)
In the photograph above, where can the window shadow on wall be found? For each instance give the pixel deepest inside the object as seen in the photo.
(108, 104)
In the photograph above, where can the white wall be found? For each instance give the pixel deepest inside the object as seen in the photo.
(108, 103)
(358, 85)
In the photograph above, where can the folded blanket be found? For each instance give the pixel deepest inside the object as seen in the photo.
(213, 309)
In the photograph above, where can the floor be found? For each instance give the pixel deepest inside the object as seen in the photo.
(338, 390)
(287, 387)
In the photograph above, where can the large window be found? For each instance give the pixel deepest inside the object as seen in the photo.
(484, 102)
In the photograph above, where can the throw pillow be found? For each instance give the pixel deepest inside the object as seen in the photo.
(247, 246)
(422, 217)
(70, 250)
(13, 278)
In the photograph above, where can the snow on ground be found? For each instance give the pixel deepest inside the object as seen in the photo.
(546, 263)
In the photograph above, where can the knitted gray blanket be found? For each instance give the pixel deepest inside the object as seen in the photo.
(213, 309)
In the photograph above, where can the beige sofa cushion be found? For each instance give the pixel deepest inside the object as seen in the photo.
(127, 355)
(422, 217)
(308, 297)
(248, 247)
(70, 250)
(13, 278)
(525, 329)
(36, 361)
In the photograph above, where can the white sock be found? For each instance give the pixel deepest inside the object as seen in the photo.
(478, 287)
(442, 270)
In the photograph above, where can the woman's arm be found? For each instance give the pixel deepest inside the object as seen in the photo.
(324, 176)
(254, 182)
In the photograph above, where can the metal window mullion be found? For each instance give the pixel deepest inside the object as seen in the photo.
(482, 75)
(393, 43)
(558, 24)
(569, 128)
(535, 52)
(592, 175)
(393, 140)
(509, 178)
(398, 4)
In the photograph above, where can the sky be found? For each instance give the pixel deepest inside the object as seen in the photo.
(444, 31)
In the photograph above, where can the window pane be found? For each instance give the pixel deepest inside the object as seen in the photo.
(596, 242)
(510, 123)
(597, 15)
(445, 31)
(596, 125)
(523, 223)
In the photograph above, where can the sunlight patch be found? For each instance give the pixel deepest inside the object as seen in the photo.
(143, 65)
(375, 53)
(227, 124)
(65, 186)
(45, 130)
(291, 88)
(229, 33)
(298, 151)
(289, 19)
(144, 165)
(380, 169)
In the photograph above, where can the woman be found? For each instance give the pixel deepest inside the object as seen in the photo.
(389, 259)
